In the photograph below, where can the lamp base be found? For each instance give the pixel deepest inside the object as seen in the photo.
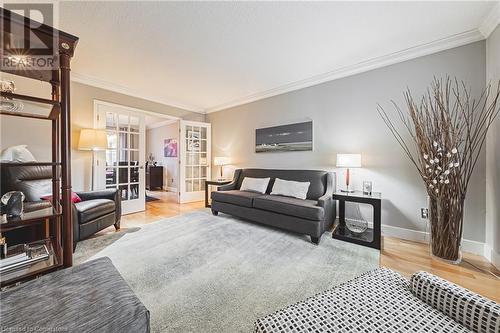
(347, 191)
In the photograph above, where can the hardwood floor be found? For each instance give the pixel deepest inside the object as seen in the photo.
(408, 257)
(403, 256)
(166, 206)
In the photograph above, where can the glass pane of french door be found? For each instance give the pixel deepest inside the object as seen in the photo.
(196, 158)
(122, 154)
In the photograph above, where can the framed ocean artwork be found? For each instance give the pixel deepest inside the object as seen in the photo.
(292, 137)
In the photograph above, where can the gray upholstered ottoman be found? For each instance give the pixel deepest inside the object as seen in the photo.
(91, 297)
(384, 301)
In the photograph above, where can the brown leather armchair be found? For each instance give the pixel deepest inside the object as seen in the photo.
(97, 210)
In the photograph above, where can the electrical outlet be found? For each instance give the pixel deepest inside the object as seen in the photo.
(424, 213)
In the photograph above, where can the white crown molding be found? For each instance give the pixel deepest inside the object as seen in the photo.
(161, 123)
(491, 21)
(467, 37)
(98, 83)
(382, 61)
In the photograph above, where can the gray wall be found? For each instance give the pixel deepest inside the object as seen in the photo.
(36, 134)
(346, 120)
(154, 144)
(493, 154)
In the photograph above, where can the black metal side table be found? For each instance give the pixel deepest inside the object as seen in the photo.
(372, 236)
(213, 182)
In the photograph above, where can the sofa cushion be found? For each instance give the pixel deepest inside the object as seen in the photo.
(290, 188)
(240, 198)
(318, 179)
(257, 185)
(91, 209)
(306, 209)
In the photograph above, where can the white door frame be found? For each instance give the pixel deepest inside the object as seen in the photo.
(100, 160)
(183, 195)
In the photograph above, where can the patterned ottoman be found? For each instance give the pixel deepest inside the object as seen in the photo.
(384, 301)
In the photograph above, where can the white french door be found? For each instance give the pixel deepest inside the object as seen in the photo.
(122, 164)
(194, 162)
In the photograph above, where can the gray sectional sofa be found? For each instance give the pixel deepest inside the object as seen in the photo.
(312, 216)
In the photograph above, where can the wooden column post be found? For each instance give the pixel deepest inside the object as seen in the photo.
(66, 161)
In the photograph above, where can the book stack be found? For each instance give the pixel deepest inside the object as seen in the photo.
(20, 256)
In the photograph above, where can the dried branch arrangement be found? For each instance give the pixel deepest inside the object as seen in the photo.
(443, 136)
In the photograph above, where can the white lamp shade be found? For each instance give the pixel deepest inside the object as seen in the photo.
(349, 160)
(221, 160)
(92, 139)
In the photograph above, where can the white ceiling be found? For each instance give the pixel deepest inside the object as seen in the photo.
(206, 56)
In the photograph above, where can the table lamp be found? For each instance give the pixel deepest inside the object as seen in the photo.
(94, 140)
(348, 161)
(221, 161)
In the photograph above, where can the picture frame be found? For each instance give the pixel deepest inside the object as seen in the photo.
(170, 148)
(367, 187)
(285, 138)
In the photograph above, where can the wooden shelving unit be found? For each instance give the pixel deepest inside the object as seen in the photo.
(29, 218)
(43, 108)
(50, 264)
(54, 219)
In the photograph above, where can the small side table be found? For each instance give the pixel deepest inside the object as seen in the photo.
(372, 236)
(213, 182)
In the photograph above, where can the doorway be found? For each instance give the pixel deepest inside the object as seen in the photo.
(195, 160)
(122, 164)
(162, 159)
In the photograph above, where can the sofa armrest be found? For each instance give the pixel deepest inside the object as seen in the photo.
(111, 194)
(326, 201)
(474, 311)
(330, 188)
(76, 225)
(228, 187)
(100, 194)
(233, 185)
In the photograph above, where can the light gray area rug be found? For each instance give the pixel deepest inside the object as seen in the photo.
(201, 273)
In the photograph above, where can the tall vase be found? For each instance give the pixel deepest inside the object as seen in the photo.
(446, 214)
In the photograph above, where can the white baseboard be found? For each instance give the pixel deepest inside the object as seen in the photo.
(474, 247)
(403, 233)
(424, 237)
(492, 256)
(171, 189)
(495, 259)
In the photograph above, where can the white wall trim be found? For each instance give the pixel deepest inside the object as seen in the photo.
(460, 39)
(495, 259)
(457, 40)
(492, 256)
(424, 237)
(132, 109)
(95, 82)
(491, 21)
(161, 123)
(171, 189)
